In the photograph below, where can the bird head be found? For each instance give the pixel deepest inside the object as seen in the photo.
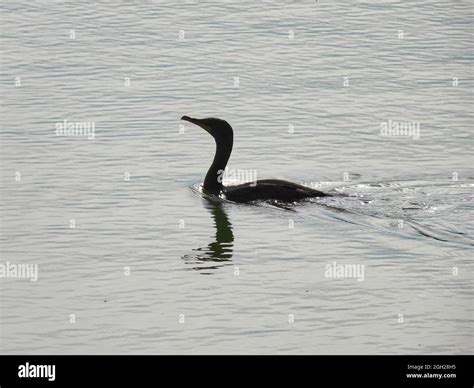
(219, 129)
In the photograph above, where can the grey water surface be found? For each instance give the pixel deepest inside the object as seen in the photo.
(132, 258)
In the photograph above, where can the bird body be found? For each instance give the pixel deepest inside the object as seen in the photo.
(275, 189)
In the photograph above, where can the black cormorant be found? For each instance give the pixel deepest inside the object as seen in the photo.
(266, 189)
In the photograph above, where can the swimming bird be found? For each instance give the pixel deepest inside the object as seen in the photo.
(266, 189)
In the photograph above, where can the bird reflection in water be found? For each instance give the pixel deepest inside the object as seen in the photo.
(217, 253)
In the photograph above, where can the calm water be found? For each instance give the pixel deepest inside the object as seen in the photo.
(150, 265)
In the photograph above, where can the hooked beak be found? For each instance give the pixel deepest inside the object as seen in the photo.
(198, 122)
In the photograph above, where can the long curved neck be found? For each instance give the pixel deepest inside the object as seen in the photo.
(213, 181)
